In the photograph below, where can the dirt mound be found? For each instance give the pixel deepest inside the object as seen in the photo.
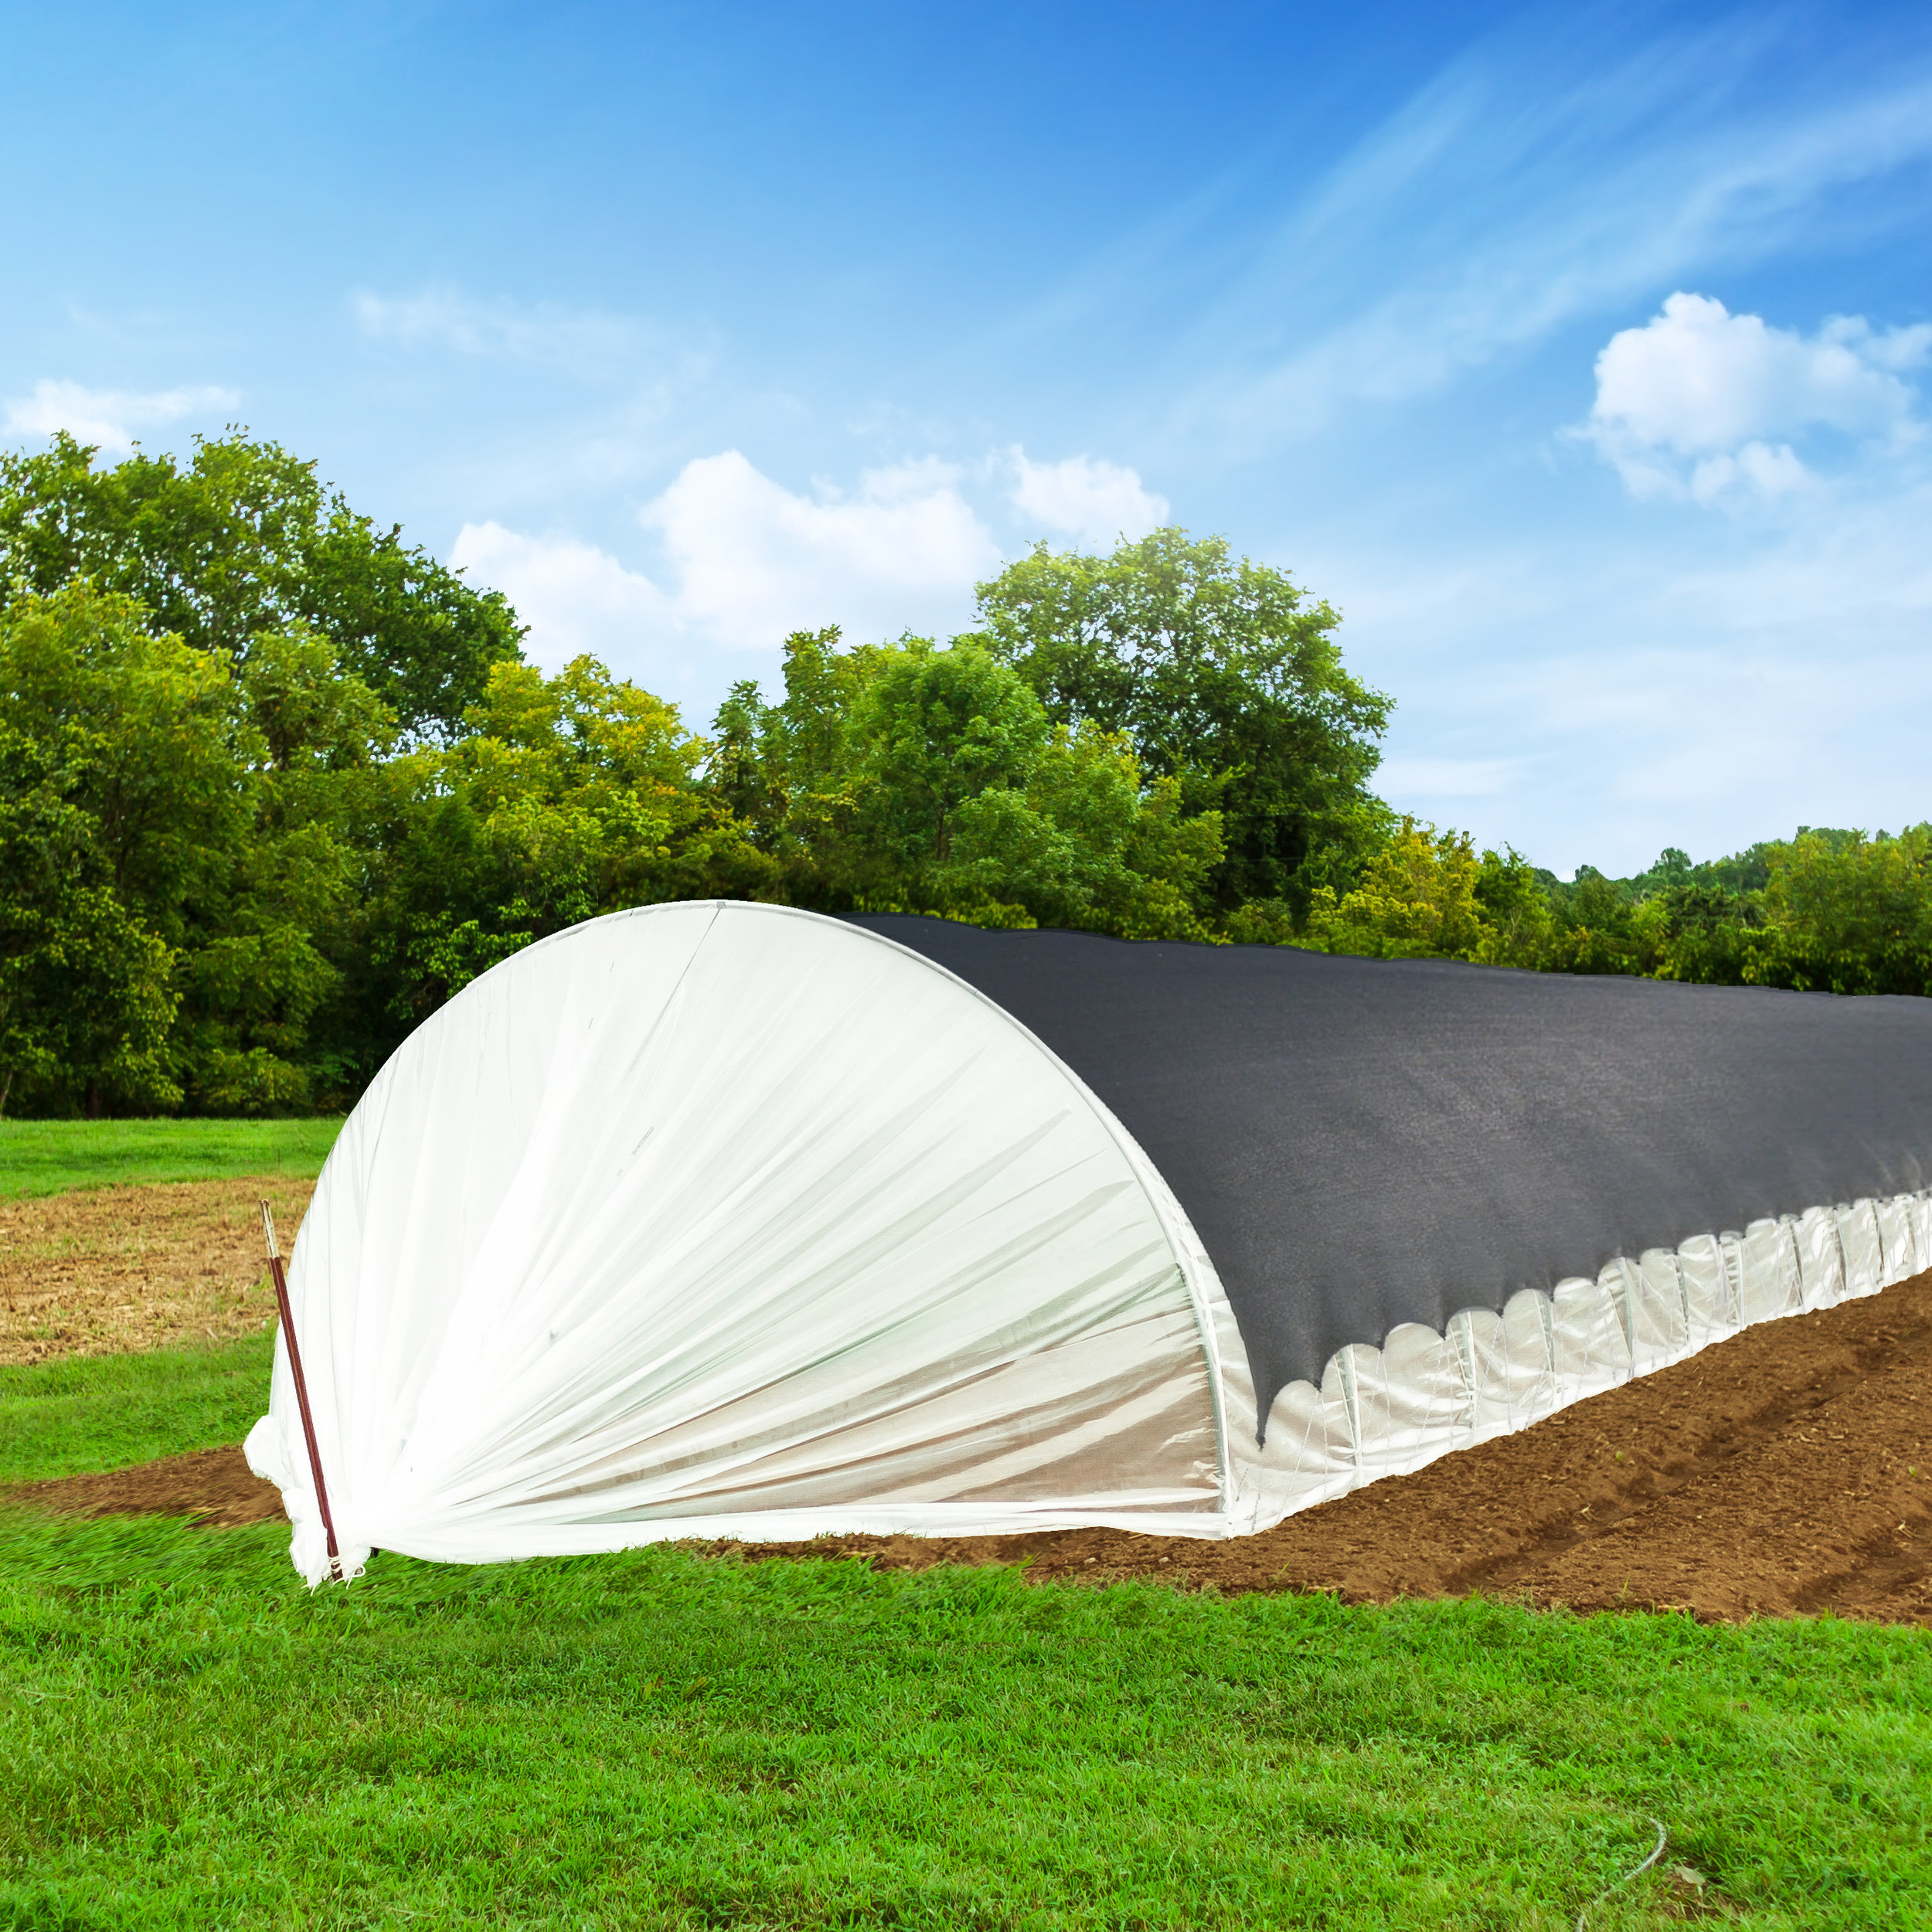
(214, 1486)
(1786, 1471)
(108, 1271)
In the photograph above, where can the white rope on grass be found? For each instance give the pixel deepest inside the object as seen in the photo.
(1617, 1885)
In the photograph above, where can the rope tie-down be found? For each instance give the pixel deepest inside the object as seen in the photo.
(301, 1390)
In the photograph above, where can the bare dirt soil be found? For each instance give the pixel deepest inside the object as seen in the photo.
(214, 1487)
(1787, 1470)
(108, 1271)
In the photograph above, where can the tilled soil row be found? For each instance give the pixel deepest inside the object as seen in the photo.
(1785, 1471)
(109, 1270)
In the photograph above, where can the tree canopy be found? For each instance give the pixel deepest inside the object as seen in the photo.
(928, 778)
(244, 540)
(274, 785)
(1222, 675)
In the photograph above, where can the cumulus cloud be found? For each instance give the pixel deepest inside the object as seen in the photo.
(754, 561)
(1086, 497)
(111, 418)
(745, 562)
(574, 597)
(1703, 404)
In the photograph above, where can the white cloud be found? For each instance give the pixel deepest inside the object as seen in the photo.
(1708, 686)
(1534, 180)
(747, 561)
(1092, 499)
(1702, 403)
(1763, 469)
(574, 597)
(584, 342)
(111, 418)
(754, 561)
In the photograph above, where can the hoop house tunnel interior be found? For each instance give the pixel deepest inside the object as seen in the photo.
(718, 1219)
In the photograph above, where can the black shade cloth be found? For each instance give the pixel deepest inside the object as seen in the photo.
(1362, 1142)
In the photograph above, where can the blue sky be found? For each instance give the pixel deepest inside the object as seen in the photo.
(1580, 358)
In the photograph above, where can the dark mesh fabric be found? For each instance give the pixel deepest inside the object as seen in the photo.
(1362, 1142)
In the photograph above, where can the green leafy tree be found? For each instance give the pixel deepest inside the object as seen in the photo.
(571, 796)
(1417, 900)
(1515, 908)
(930, 730)
(915, 777)
(744, 772)
(1846, 894)
(147, 724)
(1831, 909)
(264, 976)
(242, 541)
(1427, 894)
(210, 825)
(1224, 677)
(1084, 844)
(121, 804)
(86, 996)
(1601, 928)
(1842, 913)
(790, 773)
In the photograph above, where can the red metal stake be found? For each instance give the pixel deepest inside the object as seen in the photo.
(302, 1390)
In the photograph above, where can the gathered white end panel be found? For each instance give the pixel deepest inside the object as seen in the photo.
(715, 1220)
(1386, 1411)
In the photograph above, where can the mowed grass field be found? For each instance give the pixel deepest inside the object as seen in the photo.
(679, 1738)
(49, 1157)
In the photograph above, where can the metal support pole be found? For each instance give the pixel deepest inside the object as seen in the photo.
(302, 1390)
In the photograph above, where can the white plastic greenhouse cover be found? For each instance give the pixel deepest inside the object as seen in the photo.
(715, 1220)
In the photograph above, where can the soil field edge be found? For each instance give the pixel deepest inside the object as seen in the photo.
(1785, 1471)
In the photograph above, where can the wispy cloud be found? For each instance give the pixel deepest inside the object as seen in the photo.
(111, 418)
(587, 342)
(1528, 184)
(1707, 686)
(1430, 782)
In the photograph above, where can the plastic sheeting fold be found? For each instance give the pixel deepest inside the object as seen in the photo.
(728, 1220)
(1393, 1410)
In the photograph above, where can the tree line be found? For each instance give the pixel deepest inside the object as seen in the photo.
(275, 784)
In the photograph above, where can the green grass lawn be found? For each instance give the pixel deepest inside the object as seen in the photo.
(91, 1413)
(662, 1738)
(48, 1157)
